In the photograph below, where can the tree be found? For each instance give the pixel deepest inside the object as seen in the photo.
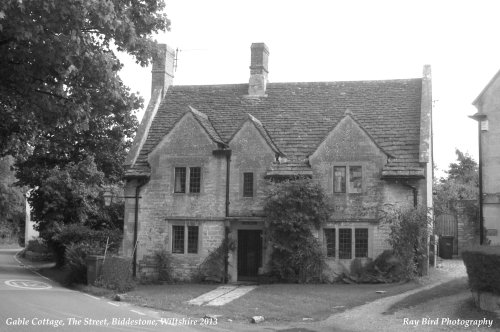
(65, 114)
(57, 65)
(461, 183)
(293, 209)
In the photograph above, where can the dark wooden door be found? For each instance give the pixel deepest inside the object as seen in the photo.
(249, 253)
(447, 225)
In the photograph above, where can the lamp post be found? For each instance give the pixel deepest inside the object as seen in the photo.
(108, 198)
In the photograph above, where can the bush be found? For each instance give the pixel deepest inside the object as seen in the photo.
(165, 270)
(116, 274)
(77, 233)
(38, 246)
(483, 268)
(76, 255)
(409, 228)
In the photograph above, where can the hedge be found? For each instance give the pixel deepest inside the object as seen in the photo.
(483, 268)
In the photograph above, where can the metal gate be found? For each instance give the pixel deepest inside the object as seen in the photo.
(447, 225)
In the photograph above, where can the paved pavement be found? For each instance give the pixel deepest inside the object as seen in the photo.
(30, 302)
(222, 295)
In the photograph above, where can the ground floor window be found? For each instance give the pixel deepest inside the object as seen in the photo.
(185, 239)
(346, 242)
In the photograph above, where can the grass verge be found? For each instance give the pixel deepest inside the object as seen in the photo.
(276, 302)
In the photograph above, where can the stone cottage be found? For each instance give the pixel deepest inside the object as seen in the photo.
(202, 157)
(488, 118)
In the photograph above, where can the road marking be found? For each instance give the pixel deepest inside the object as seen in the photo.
(27, 284)
(138, 312)
(95, 298)
(116, 305)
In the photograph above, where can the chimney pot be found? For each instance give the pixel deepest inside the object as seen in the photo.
(258, 69)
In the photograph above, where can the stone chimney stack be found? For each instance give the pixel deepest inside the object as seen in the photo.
(162, 75)
(258, 69)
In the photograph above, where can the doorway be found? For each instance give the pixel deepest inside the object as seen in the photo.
(249, 254)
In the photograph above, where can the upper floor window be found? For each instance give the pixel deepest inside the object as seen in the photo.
(194, 179)
(247, 184)
(347, 179)
(339, 179)
(181, 176)
(180, 180)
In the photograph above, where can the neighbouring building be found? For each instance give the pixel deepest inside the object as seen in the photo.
(202, 157)
(488, 128)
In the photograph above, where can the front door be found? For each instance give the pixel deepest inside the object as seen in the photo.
(249, 254)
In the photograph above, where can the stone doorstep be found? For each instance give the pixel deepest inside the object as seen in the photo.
(207, 297)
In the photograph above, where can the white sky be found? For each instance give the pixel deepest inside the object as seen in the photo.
(330, 40)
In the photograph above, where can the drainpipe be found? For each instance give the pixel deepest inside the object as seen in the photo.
(136, 225)
(480, 171)
(227, 154)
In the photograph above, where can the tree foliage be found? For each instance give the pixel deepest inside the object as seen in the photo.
(293, 209)
(65, 114)
(58, 67)
(461, 182)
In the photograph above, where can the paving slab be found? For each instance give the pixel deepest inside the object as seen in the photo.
(207, 297)
(232, 295)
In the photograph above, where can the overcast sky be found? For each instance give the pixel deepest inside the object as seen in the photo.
(328, 40)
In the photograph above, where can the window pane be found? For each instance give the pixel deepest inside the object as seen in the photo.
(192, 239)
(345, 243)
(330, 241)
(355, 179)
(361, 242)
(178, 239)
(339, 179)
(194, 179)
(247, 184)
(180, 180)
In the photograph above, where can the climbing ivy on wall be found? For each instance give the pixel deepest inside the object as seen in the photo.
(293, 209)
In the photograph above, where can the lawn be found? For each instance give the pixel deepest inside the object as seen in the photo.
(276, 302)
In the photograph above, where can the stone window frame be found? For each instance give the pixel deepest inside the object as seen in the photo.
(352, 226)
(186, 224)
(242, 181)
(187, 182)
(348, 166)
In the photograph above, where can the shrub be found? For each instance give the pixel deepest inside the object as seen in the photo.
(409, 229)
(116, 274)
(165, 270)
(77, 233)
(38, 245)
(213, 266)
(76, 255)
(483, 268)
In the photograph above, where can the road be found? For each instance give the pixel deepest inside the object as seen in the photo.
(31, 302)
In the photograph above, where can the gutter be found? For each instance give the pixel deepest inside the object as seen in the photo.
(480, 171)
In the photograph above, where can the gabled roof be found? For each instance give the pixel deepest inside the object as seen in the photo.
(260, 127)
(297, 116)
(478, 98)
(207, 125)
